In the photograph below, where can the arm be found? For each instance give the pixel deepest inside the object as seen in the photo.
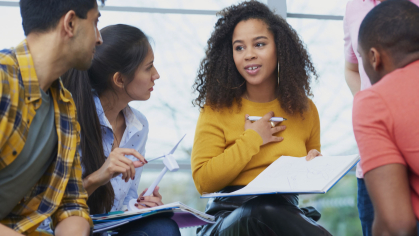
(351, 61)
(66, 227)
(115, 164)
(214, 166)
(389, 189)
(352, 77)
(385, 168)
(73, 205)
(313, 142)
(6, 231)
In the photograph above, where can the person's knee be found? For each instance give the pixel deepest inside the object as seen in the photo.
(167, 226)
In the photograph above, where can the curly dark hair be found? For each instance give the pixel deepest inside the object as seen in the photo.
(219, 83)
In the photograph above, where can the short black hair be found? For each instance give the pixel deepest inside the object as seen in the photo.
(44, 15)
(393, 25)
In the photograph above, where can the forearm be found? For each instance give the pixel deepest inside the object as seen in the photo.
(388, 187)
(214, 173)
(73, 225)
(352, 77)
(6, 231)
(91, 183)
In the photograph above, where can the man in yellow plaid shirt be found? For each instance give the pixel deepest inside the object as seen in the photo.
(40, 172)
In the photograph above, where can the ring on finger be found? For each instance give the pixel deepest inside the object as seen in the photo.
(272, 124)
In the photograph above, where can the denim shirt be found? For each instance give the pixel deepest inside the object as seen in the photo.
(135, 137)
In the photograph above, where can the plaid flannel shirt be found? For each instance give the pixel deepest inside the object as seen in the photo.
(59, 193)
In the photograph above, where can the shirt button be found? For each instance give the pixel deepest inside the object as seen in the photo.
(14, 153)
(29, 98)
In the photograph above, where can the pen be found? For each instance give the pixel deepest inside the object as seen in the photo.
(274, 119)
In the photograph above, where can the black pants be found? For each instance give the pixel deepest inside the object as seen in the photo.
(260, 215)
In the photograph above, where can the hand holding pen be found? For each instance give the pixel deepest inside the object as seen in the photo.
(265, 127)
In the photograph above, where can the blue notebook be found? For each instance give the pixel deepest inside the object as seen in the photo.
(296, 175)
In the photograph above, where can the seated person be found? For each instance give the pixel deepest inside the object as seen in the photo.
(114, 134)
(40, 172)
(385, 116)
(255, 65)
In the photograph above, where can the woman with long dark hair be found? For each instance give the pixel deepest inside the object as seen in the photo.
(113, 134)
(255, 65)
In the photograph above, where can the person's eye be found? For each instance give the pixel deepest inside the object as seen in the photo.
(239, 48)
(260, 44)
(149, 68)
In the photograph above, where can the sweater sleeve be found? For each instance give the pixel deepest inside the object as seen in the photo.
(313, 141)
(213, 165)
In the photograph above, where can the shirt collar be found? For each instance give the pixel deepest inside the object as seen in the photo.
(30, 79)
(131, 120)
(28, 73)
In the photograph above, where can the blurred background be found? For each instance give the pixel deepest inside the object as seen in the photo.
(179, 30)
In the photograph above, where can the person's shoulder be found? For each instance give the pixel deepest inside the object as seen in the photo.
(311, 108)
(365, 101)
(8, 59)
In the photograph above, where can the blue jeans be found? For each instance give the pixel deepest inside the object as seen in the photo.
(150, 226)
(365, 208)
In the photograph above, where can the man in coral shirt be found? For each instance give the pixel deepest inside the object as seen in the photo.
(357, 80)
(385, 115)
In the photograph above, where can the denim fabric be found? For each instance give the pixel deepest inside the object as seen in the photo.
(150, 226)
(365, 208)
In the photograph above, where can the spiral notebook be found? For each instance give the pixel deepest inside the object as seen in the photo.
(296, 175)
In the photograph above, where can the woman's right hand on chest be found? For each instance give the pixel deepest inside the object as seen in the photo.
(264, 128)
(117, 163)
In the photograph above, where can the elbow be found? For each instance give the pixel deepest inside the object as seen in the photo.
(201, 182)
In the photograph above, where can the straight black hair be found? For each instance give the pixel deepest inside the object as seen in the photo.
(123, 50)
(44, 15)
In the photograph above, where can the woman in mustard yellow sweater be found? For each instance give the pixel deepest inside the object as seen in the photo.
(255, 65)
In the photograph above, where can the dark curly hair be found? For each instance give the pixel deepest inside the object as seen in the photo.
(219, 83)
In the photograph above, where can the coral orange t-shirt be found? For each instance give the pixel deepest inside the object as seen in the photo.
(386, 124)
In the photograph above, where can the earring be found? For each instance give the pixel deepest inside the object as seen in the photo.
(278, 72)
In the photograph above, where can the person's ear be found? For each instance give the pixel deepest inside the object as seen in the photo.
(69, 23)
(118, 80)
(375, 58)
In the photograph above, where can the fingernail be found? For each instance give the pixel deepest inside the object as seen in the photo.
(138, 200)
(141, 198)
(136, 204)
(146, 161)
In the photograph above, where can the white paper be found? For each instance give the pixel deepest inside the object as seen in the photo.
(296, 175)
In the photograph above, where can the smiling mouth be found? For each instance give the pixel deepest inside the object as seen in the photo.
(252, 69)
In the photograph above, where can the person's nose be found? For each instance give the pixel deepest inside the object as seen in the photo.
(99, 39)
(155, 75)
(250, 54)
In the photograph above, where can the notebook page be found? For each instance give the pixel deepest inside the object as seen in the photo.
(296, 175)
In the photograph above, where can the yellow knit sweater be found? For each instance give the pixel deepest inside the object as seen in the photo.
(224, 154)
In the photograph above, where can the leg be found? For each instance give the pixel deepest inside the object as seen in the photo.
(365, 208)
(150, 226)
(270, 215)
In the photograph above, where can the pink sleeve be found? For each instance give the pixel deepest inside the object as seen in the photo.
(350, 55)
(373, 126)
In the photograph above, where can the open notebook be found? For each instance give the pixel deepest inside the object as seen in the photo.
(183, 215)
(296, 175)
